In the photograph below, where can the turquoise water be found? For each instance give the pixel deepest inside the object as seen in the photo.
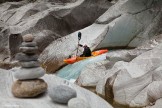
(72, 71)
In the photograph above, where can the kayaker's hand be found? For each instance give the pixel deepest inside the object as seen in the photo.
(80, 45)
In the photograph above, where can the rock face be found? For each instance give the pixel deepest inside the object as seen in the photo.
(63, 47)
(131, 83)
(29, 88)
(62, 93)
(39, 17)
(131, 16)
(139, 22)
(28, 72)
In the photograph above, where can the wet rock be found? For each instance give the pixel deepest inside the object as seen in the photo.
(29, 88)
(62, 93)
(29, 73)
(78, 103)
(30, 64)
(24, 58)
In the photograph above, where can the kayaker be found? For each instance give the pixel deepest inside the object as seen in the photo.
(86, 52)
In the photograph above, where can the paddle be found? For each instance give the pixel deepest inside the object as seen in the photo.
(79, 38)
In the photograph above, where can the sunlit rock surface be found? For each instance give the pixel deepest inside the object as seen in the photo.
(43, 101)
(52, 57)
(128, 23)
(134, 22)
(58, 17)
(129, 81)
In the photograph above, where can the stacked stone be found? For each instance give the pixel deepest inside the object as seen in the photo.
(28, 84)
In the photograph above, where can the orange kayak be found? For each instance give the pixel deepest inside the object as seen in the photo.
(76, 59)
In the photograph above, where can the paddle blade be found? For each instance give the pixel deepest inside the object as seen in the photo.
(79, 35)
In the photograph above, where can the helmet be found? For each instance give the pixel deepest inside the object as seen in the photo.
(85, 45)
(79, 34)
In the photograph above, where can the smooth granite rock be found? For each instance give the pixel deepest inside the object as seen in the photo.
(30, 64)
(29, 50)
(78, 103)
(62, 93)
(25, 58)
(28, 44)
(29, 88)
(155, 91)
(29, 73)
(28, 38)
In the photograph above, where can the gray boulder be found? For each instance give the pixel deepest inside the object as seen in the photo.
(62, 93)
(92, 73)
(129, 81)
(134, 18)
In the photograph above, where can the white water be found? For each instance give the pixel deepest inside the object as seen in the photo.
(72, 71)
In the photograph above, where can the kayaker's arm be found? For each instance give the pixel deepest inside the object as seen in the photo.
(80, 45)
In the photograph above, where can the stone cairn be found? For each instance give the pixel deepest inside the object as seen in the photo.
(28, 84)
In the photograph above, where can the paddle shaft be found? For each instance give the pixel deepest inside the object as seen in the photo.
(79, 38)
(77, 47)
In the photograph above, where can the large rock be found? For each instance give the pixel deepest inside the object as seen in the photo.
(44, 38)
(35, 17)
(139, 20)
(52, 57)
(92, 73)
(119, 55)
(129, 81)
(62, 93)
(29, 88)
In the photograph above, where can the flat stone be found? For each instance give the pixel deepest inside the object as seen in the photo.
(30, 64)
(62, 93)
(29, 73)
(25, 57)
(78, 103)
(29, 88)
(28, 44)
(29, 50)
(28, 38)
